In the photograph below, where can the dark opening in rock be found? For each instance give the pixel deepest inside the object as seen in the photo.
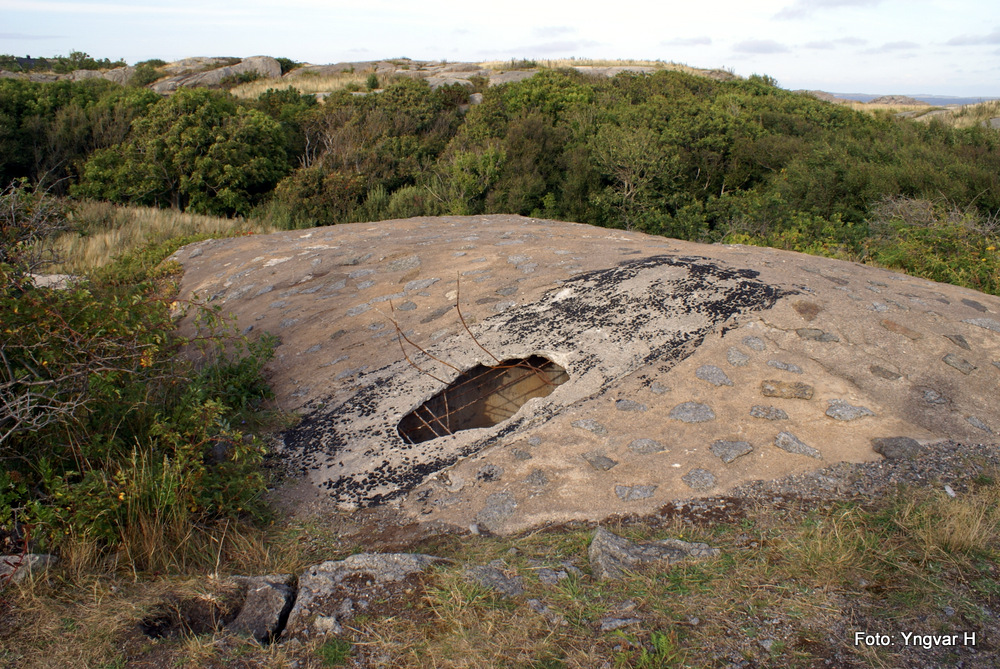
(482, 397)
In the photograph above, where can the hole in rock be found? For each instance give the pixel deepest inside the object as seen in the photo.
(482, 397)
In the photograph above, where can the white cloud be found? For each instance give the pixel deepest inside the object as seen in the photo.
(803, 8)
(688, 41)
(24, 36)
(975, 40)
(761, 46)
(890, 47)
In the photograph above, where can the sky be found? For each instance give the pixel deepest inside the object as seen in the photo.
(937, 47)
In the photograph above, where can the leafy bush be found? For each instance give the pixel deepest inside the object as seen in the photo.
(106, 433)
(197, 150)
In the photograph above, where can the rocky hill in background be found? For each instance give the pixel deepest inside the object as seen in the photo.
(215, 71)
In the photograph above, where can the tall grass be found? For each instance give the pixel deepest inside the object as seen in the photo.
(305, 84)
(100, 231)
(558, 63)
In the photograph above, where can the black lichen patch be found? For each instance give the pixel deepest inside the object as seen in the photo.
(681, 300)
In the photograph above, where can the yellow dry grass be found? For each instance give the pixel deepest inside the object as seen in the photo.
(305, 84)
(558, 63)
(103, 231)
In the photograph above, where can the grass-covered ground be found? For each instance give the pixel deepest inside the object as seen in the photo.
(798, 576)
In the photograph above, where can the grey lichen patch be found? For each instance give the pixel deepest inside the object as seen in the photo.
(978, 424)
(884, 373)
(599, 460)
(841, 410)
(736, 357)
(815, 334)
(499, 507)
(699, 479)
(985, 323)
(768, 412)
(489, 473)
(787, 441)
(786, 390)
(692, 412)
(403, 264)
(630, 405)
(961, 364)
(658, 388)
(590, 425)
(974, 305)
(959, 341)
(646, 446)
(784, 366)
(808, 310)
(537, 478)
(713, 375)
(754, 343)
(728, 451)
(631, 493)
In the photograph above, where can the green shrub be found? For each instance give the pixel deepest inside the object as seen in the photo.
(106, 433)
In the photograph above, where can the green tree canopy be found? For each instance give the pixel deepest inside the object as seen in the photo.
(197, 150)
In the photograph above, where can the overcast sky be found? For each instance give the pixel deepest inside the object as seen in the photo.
(943, 47)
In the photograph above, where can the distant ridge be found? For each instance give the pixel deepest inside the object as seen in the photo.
(937, 100)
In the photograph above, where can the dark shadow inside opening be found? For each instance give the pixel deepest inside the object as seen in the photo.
(482, 397)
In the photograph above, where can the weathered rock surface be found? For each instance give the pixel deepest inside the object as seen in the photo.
(267, 602)
(632, 319)
(15, 568)
(262, 66)
(611, 556)
(330, 592)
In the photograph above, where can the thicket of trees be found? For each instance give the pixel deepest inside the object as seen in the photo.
(106, 433)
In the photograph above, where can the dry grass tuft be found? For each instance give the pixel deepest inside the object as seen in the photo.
(102, 231)
(305, 84)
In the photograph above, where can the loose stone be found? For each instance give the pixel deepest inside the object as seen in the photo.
(599, 460)
(787, 441)
(786, 390)
(590, 425)
(768, 413)
(754, 343)
(784, 366)
(493, 576)
(611, 556)
(609, 624)
(692, 412)
(699, 479)
(646, 446)
(713, 375)
(730, 450)
(630, 405)
(737, 358)
(961, 364)
(631, 493)
(841, 410)
(898, 448)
